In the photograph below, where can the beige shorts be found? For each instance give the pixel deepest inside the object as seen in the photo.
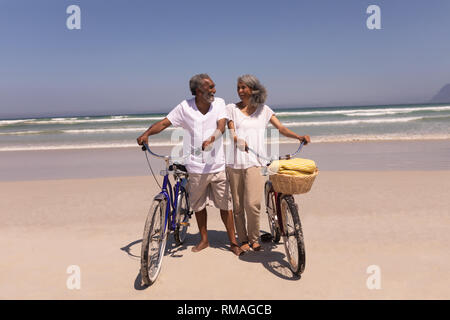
(209, 187)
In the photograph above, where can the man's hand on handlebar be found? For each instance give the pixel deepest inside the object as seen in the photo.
(142, 139)
(208, 144)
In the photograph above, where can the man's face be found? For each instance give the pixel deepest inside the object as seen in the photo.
(207, 90)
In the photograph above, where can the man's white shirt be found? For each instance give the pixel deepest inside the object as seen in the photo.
(197, 128)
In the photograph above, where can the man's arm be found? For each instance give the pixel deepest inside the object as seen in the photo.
(216, 135)
(154, 129)
(221, 126)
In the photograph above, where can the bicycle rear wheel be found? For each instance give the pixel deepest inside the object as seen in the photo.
(182, 217)
(292, 235)
(271, 211)
(153, 242)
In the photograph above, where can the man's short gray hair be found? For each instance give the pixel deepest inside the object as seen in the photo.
(196, 81)
(259, 92)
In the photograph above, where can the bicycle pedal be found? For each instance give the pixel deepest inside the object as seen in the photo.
(266, 237)
(186, 224)
(290, 234)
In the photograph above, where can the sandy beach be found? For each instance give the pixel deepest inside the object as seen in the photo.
(380, 203)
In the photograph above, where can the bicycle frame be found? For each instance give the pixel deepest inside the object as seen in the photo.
(278, 210)
(168, 193)
(171, 195)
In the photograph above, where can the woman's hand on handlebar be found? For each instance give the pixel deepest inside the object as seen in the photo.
(304, 139)
(242, 144)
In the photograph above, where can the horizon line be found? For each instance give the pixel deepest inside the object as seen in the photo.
(280, 108)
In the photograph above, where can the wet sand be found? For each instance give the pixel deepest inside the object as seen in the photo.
(124, 162)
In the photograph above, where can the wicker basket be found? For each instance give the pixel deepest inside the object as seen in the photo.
(288, 184)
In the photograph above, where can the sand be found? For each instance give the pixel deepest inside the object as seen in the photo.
(397, 220)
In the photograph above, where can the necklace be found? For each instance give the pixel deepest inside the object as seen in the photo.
(241, 105)
(247, 110)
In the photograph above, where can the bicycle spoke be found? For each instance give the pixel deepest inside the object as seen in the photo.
(182, 218)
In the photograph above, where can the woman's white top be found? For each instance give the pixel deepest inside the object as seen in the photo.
(252, 129)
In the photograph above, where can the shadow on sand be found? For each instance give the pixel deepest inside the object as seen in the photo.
(217, 240)
(273, 261)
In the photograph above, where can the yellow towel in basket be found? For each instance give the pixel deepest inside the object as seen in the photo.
(294, 167)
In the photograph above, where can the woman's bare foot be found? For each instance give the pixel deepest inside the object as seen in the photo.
(256, 246)
(200, 246)
(245, 247)
(236, 249)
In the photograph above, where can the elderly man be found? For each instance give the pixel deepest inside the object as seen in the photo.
(203, 118)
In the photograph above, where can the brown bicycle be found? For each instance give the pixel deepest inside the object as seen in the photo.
(284, 220)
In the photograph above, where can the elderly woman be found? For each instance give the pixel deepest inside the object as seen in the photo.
(248, 120)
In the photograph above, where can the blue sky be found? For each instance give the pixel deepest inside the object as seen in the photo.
(137, 56)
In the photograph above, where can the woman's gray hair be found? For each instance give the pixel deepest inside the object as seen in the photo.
(259, 92)
(196, 81)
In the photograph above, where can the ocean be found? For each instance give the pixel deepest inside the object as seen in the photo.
(324, 124)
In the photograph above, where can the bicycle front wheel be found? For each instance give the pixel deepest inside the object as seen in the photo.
(182, 217)
(292, 235)
(153, 242)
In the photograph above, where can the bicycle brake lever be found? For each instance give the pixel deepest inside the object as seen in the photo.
(143, 148)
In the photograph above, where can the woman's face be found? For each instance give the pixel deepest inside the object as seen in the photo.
(244, 91)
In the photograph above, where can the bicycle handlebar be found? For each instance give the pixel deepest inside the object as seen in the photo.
(197, 151)
(288, 156)
(145, 147)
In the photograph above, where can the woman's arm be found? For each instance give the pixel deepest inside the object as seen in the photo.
(241, 143)
(286, 132)
(233, 132)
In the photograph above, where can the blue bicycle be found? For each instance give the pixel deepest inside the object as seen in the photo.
(169, 211)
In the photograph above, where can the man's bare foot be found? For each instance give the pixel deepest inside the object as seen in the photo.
(200, 246)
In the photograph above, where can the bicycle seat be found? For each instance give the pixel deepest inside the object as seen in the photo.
(177, 166)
